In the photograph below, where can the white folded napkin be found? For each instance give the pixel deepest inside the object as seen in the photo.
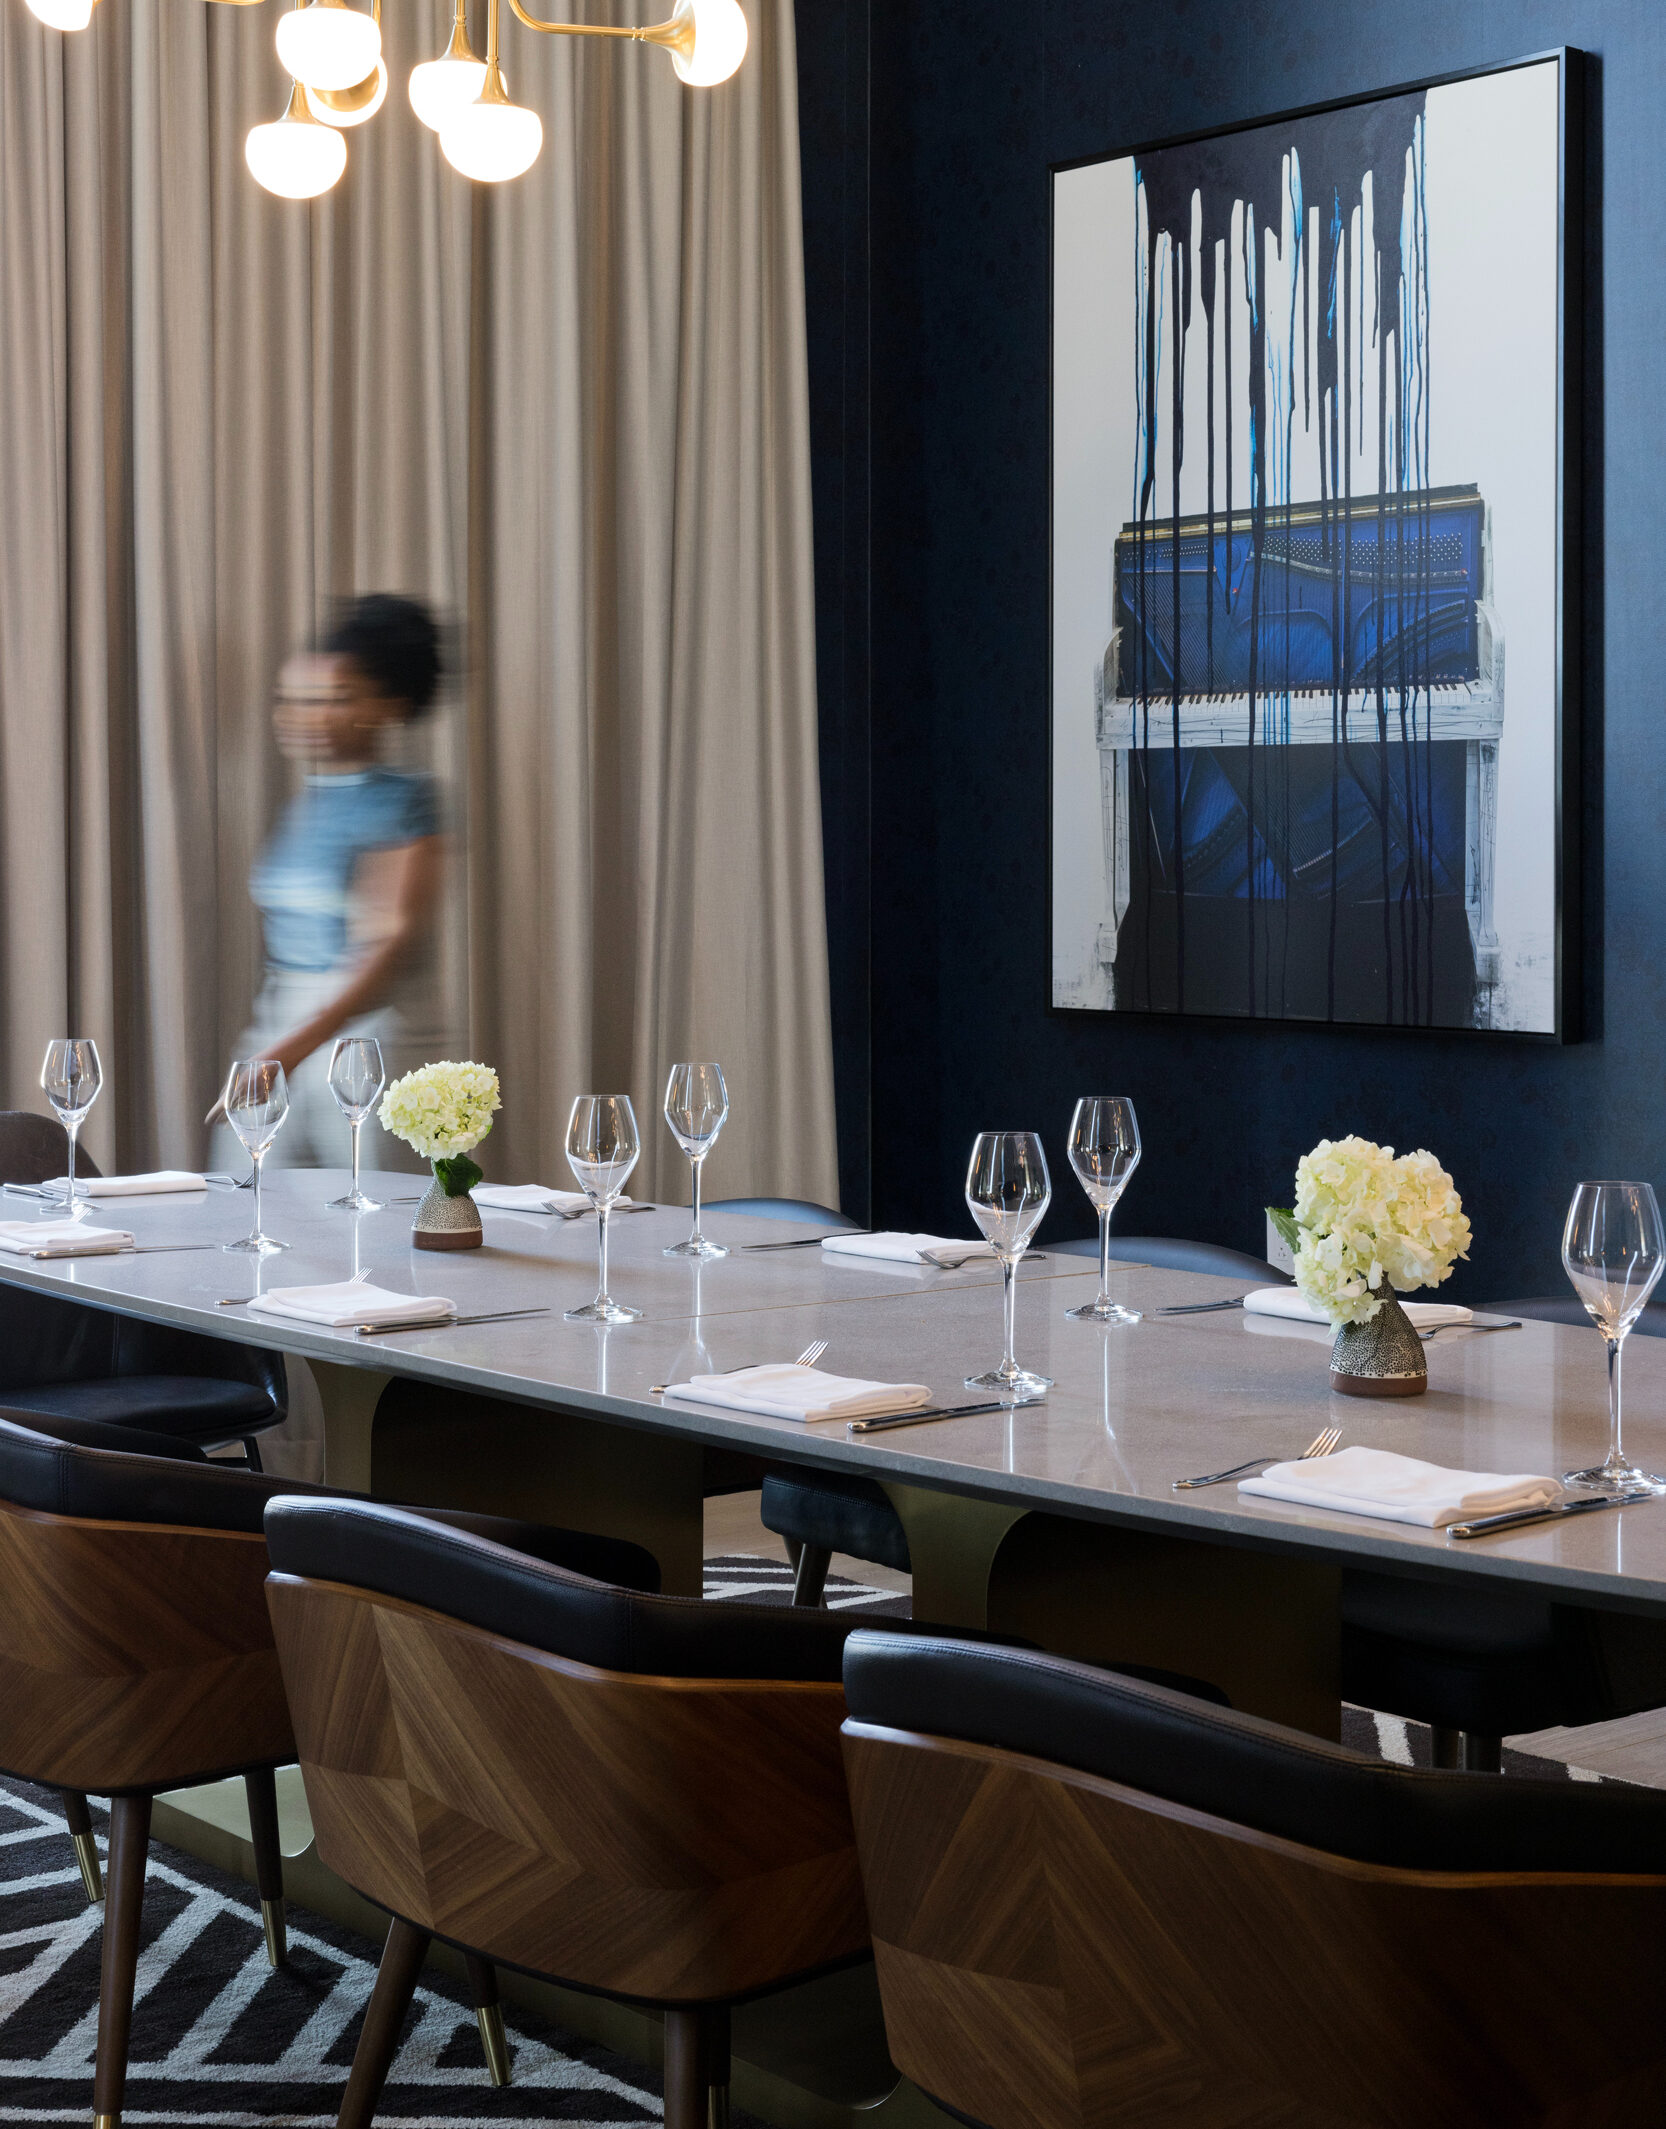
(890, 1248)
(353, 1301)
(531, 1197)
(61, 1238)
(787, 1391)
(1292, 1302)
(152, 1185)
(1401, 1488)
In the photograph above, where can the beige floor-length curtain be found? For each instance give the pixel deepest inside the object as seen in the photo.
(571, 410)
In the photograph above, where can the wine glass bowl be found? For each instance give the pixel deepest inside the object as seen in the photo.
(603, 1146)
(696, 1106)
(357, 1077)
(256, 1101)
(1008, 1190)
(1614, 1251)
(1104, 1152)
(71, 1076)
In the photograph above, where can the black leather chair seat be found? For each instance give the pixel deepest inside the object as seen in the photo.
(1252, 1772)
(781, 1209)
(1567, 1308)
(189, 1407)
(849, 1515)
(1174, 1253)
(122, 1474)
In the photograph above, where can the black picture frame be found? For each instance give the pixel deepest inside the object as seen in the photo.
(1569, 315)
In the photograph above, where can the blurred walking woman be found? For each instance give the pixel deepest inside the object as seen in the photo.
(348, 886)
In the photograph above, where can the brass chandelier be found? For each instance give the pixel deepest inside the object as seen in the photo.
(333, 55)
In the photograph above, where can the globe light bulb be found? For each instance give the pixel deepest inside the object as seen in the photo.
(491, 140)
(326, 45)
(295, 156)
(351, 107)
(440, 87)
(62, 14)
(719, 41)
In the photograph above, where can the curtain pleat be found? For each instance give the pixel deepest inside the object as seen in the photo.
(571, 411)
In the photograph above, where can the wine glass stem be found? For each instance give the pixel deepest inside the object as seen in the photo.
(1104, 1255)
(73, 1131)
(1616, 1452)
(1009, 1296)
(695, 1163)
(601, 1245)
(258, 1159)
(354, 1127)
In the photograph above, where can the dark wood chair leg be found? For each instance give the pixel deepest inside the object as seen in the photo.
(86, 1848)
(488, 2014)
(1446, 1748)
(810, 1575)
(129, 1845)
(1482, 1754)
(390, 1999)
(685, 2070)
(717, 2066)
(262, 1792)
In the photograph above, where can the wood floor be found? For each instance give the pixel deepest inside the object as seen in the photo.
(1631, 1750)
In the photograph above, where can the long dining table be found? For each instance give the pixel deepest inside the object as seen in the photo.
(1057, 1520)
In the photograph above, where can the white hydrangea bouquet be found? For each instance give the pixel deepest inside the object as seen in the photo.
(443, 1111)
(1366, 1225)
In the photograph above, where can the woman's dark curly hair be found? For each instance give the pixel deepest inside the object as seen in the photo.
(394, 642)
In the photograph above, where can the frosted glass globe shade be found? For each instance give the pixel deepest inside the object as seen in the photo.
(492, 141)
(295, 158)
(328, 47)
(326, 117)
(62, 14)
(719, 43)
(440, 87)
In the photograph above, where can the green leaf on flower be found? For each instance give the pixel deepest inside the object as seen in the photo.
(458, 1175)
(1285, 1222)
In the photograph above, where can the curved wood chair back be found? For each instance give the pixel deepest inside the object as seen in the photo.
(134, 1655)
(34, 1148)
(676, 1840)
(1057, 1951)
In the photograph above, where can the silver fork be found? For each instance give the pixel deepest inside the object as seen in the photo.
(807, 1359)
(1321, 1445)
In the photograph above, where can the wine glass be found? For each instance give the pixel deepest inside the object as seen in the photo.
(696, 1103)
(1104, 1151)
(602, 1149)
(256, 1103)
(1008, 1189)
(357, 1076)
(70, 1079)
(1613, 1250)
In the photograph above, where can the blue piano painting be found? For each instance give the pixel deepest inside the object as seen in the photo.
(1306, 468)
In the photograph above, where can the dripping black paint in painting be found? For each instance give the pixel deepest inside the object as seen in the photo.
(1297, 691)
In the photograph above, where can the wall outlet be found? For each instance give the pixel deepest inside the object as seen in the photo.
(1279, 1253)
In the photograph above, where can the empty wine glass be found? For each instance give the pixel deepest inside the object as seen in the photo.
(256, 1103)
(1104, 1151)
(602, 1149)
(1008, 1189)
(696, 1103)
(70, 1079)
(1613, 1250)
(357, 1076)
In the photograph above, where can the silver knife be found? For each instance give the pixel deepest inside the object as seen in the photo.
(810, 1241)
(444, 1323)
(1514, 1518)
(913, 1419)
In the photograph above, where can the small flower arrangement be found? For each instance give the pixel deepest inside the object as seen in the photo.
(1366, 1223)
(442, 1111)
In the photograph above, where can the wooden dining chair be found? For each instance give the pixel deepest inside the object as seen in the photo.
(634, 1795)
(136, 1655)
(1100, 1904)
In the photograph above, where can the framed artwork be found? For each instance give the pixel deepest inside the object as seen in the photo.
(1314, 541)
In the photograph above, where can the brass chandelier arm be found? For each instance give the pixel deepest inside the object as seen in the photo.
(678, 33)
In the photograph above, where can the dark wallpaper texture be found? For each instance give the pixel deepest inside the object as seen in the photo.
(927, 135)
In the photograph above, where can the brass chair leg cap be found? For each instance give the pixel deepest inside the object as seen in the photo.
(489, 2018)
(276, 1929)
(86, 1854)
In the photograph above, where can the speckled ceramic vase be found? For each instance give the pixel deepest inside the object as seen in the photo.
(446, 1223)
(1383, 1357)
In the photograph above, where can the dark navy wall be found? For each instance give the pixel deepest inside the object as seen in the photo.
(952, 120)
